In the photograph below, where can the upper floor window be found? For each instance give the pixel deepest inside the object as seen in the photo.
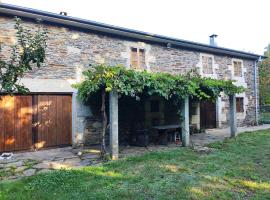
(137, 58)
(207, 64)
(239, 104)
(237, 68)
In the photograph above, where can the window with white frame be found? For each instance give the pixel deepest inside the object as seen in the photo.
(237, 68)
(207, 64)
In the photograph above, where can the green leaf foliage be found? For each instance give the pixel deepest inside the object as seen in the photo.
(137, 83)
(27, 52)
(264, 78)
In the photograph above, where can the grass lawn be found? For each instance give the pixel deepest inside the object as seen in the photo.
(238, 169)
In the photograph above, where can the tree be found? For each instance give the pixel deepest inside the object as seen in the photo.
(27, 52)
(264, 78)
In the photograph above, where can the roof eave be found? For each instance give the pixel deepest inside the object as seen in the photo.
(114, 30)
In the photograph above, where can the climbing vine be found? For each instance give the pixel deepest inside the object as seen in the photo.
(135, 83)
(128, 82)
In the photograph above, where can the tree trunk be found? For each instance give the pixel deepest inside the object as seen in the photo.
(104, 121)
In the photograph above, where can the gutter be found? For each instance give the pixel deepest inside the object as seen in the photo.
(119, 31)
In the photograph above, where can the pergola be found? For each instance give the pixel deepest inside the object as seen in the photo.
(113, 122)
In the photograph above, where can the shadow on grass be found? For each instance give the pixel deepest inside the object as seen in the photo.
(237, 169)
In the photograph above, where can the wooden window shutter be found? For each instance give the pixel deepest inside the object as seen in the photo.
(137, 58)
(207, 64)
(237, 66)
(239, 104)
(134, 58)
(142, 58)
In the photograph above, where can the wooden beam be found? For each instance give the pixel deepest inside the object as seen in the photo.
(114, 125)
(185, 122)
(233, 120)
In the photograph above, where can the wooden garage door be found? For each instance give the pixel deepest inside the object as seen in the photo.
(34, 121)
(15, 123)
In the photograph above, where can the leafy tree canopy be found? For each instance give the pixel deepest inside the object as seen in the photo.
(264, 78)
(27, 52)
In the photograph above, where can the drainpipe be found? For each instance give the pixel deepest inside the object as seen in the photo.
(256, 91)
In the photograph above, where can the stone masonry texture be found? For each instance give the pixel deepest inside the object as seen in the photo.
(71, 51)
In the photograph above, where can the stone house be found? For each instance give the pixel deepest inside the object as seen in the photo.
(75, 43)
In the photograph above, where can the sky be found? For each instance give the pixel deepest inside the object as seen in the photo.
(239, 24)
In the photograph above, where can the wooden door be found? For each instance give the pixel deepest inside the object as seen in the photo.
(208, 114)
(15, 122)
(35, 121)
(54, 120)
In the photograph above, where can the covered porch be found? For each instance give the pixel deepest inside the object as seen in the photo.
(121, 132)
(152, 120)
(116, 82)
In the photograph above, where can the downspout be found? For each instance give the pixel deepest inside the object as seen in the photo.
(256, 92)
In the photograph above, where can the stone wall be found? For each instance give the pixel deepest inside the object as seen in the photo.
(71, 51)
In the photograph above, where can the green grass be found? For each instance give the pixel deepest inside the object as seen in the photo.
(29, 163)
(237, 169)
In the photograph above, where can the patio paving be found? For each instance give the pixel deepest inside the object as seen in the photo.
(34, 162)
(213, 135)
(198, 141)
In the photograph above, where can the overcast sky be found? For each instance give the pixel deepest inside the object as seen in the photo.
(239, 24)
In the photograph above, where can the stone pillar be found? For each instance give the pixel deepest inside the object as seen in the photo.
(185, 121)
(80, 113)
(195, 116)
(233, 121)
(114, 125)
(218, 112)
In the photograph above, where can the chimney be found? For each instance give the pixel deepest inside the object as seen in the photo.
(63, 13)
(212, 41)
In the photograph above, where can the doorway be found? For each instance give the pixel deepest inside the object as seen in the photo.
(208, 114)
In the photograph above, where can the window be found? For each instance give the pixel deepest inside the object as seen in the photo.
(207, 63)
(142, 58)
(137, 58)
(237, 67)
(154, 106)
(239, 104)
